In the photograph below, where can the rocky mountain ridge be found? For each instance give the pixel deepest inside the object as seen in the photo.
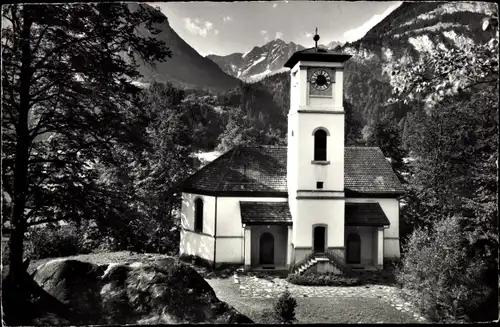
(260, 61)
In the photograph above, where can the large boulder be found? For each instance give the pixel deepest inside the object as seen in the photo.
(160, 292)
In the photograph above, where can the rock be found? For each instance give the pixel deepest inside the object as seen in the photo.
(74, 283)
(160, 292)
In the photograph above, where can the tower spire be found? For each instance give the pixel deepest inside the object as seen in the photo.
(316, 39)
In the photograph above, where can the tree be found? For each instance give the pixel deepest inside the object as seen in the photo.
(284, 308)
(454, 144)
(386, 134)
(352, 132)
(67, 87)
(436, 265)
(448, 72)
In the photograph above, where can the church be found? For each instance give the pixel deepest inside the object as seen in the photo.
(313, 205)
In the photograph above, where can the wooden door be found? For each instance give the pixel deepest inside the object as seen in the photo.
(266, 249)
(353, 248)
(319, 239)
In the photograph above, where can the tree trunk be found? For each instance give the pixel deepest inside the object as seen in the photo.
(16, 268)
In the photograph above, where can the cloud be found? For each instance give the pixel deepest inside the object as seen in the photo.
(306, 34)
(227, 18)
(279, 35)
(357, 33)
(216, 32)
(197, 27)
(275, 5)
(265, 34)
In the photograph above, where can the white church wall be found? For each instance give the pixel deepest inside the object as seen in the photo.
(191, 242)
(187, 212)
(197, 245)
(230, 250)
(391, 235)
(311, 212)
(230, 231)
(332, 174)
(292, 166)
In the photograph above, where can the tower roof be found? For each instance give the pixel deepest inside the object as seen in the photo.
(316, 54)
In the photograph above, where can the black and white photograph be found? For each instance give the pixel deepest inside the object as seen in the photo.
(249, 162)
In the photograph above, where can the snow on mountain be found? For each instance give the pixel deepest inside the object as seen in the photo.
(261, 61)
(258, 62)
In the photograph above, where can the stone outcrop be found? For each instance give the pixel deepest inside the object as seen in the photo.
(160, 292)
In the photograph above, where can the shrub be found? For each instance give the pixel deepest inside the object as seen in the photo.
(437, 266)
(54, 241)
(284, 308)
(328, 279)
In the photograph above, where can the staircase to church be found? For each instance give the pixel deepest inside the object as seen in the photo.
(314, 259)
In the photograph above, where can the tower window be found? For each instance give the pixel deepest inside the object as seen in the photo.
(319, 185)
(320, 145)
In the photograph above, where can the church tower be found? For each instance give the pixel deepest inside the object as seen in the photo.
(315, 158)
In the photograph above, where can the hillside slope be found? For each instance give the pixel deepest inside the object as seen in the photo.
(407, 33)
(187, 68)
(258, 62)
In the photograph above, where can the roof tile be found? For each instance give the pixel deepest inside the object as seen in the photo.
(265, 213)
(365, 214)
(263, 169)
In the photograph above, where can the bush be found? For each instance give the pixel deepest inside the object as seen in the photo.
(284, 308)
(140, 235)
(446, 280)
(54, 241)
(328, 279)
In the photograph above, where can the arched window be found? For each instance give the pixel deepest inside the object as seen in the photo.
(320, 145)
(198, 215)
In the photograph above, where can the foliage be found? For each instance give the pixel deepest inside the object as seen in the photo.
(66, 97)
(453, 141)
(54, 241)
(456, 147)
(385, 133)
(438, 265)
(284, 308)
(353, 127)
(279, 86)
(447, 72)
(241, 130)
(148, 178)
(327, 279)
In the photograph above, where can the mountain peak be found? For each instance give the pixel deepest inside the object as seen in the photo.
(259, 62)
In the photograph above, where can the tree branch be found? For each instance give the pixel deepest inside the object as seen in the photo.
(35, 49)
(42, 221)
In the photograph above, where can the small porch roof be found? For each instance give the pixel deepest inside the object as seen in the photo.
(365, 214)
(265, 213)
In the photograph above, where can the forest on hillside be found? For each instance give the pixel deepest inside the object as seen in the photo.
(84, 146)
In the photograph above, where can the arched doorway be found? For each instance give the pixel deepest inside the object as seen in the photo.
(266, 249)
(319, 236)
(353, 248)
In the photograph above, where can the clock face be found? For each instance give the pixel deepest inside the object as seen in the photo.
(321, 80)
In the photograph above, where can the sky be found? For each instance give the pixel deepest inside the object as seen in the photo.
(223, 28)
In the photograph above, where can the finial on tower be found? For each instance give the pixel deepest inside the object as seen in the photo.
(316, 39)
